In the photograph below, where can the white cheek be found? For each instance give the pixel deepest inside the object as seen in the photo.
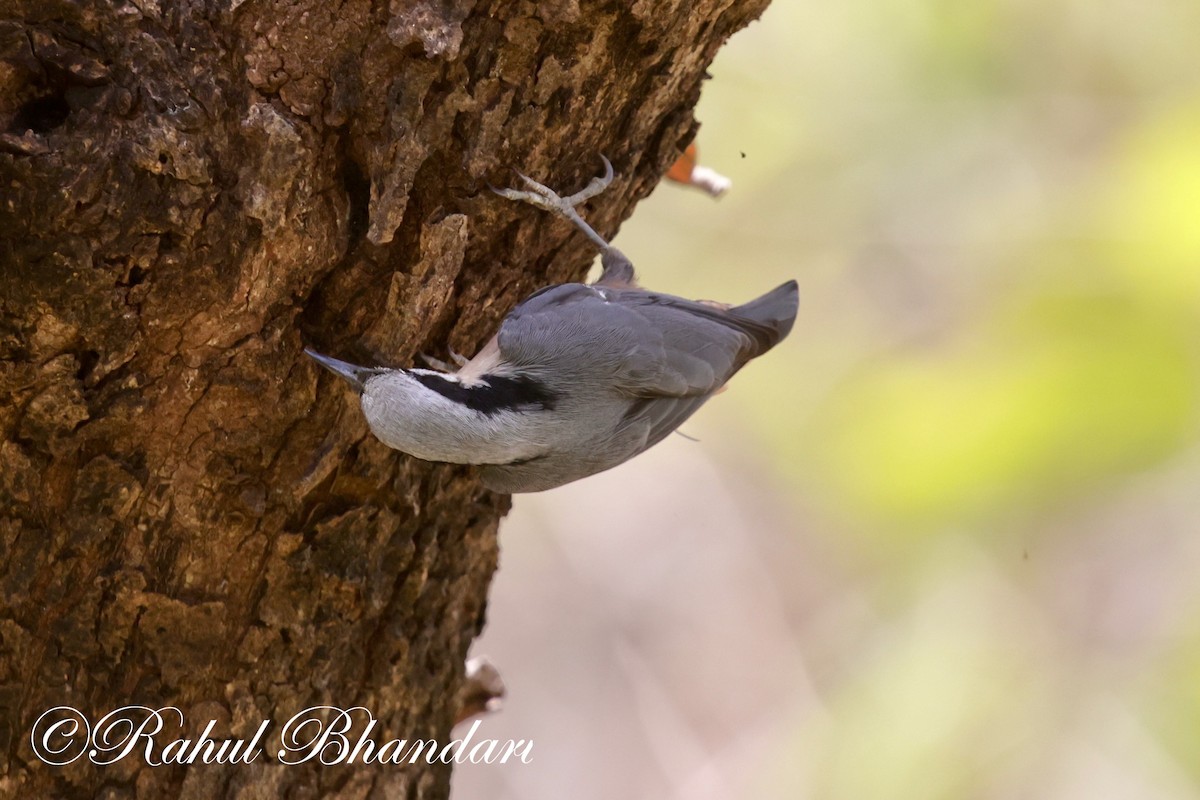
(371, 408)
(375, 411)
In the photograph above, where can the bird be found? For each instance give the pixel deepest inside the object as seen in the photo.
(579, 377)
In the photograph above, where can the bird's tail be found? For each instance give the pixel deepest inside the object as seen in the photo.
(775, 311)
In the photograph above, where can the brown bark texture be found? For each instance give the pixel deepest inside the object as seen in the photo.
(191, 513)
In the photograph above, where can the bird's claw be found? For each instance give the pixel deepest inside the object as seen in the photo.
(595, 186)
(438, 364)
(551, 199)
(543, 196)
(546, 198)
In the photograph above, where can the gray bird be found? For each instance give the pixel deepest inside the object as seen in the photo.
(580, 377)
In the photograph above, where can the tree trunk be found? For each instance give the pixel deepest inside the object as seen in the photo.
(193, 515)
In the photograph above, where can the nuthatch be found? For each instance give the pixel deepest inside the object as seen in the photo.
(580, 377)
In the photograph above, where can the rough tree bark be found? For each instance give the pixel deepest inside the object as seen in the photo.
(192, 514)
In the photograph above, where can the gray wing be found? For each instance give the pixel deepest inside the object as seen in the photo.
(665, 353)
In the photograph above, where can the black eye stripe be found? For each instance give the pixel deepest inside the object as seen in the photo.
(493, 394)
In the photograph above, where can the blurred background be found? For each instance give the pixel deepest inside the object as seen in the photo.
(944, 541)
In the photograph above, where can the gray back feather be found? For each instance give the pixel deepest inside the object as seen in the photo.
(664, 354)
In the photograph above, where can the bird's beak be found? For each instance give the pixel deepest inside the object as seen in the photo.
(357, 376)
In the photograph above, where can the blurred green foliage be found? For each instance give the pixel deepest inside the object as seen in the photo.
(1029, 404)
(993, 211)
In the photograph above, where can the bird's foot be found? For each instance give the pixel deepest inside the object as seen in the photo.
(546, 198)
(437, 363)
(543, 196)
